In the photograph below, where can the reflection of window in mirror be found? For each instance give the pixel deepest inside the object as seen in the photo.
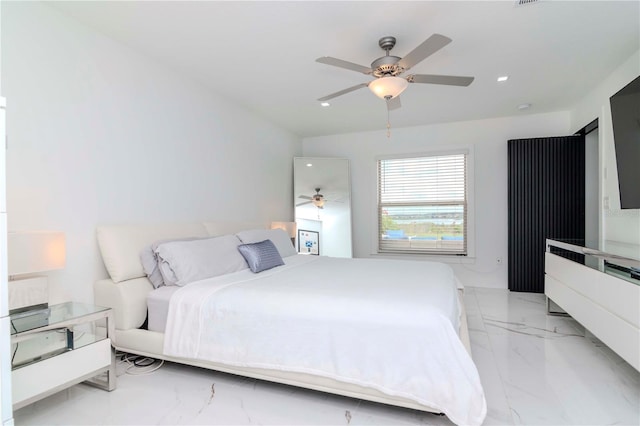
(322, 200)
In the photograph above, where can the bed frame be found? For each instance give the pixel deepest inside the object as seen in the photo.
(126, 293)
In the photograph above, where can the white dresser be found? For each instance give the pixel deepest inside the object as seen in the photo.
(596, 287)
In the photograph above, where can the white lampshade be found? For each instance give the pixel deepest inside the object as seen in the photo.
(388, 87)
(290, 227)
(33, 252)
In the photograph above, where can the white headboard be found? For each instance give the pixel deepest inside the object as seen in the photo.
(120, 246)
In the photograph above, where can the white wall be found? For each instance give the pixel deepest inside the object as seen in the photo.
(617, 224)
(101, 134)
(488, 141)
(336, 229)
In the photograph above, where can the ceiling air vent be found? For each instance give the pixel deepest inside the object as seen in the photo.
(526, 2)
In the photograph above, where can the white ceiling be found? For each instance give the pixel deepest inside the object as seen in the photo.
(262, 54)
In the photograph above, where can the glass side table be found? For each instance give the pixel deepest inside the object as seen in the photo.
(59, 346)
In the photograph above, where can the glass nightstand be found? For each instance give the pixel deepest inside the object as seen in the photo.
(60, 346)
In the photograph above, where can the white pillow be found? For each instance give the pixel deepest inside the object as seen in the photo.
(149, 260)
(278, 237)
(183, 262)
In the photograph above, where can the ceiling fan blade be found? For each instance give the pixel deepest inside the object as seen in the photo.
(449, 80)
(302, 204)
(305, 197)
(344, 64)
(426, 49)
(394, 103)
(342, 92)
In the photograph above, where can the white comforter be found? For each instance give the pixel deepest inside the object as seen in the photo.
(385, 324)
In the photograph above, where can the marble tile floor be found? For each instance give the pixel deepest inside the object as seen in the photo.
(536, 369)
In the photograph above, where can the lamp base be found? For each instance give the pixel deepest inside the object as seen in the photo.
(28, 294)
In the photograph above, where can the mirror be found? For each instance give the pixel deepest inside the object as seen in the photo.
(322, 199)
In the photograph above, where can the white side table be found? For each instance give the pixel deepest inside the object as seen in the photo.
(58, 347)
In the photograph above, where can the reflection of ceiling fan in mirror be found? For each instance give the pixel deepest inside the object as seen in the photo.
(317, 199)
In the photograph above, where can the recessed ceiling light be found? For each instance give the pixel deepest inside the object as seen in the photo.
(309, 164)
(503, 78)
(325, 104)
(522, 107)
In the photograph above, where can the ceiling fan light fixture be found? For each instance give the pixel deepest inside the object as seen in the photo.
(388, 87)
(318, 202)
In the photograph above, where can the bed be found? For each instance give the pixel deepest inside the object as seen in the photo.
(388, 331)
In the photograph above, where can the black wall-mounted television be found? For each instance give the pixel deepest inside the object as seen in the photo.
(625, 114)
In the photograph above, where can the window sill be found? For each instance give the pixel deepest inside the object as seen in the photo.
(453, 259)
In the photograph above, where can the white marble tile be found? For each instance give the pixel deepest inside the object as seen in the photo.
(535, 369)
(551, 372)
(498, 410)
(474, 315)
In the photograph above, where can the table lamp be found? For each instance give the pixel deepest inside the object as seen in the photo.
(289, 227)
(29, 254)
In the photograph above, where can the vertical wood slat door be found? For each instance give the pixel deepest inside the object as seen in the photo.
(546, 200)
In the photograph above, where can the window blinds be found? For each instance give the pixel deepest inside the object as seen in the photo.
(422, 204)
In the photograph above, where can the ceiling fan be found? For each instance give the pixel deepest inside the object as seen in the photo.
(388, 85)
(317, 199)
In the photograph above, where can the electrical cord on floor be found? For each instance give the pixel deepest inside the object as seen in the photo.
(138, 364)
(13, 357)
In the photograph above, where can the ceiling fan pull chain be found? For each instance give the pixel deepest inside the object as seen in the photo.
(388, 126)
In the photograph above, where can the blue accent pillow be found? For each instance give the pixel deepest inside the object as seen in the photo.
(261, 256)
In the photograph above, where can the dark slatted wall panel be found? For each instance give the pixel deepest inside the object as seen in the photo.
(546, 200)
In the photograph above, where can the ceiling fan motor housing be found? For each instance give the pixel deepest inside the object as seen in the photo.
(386, 65)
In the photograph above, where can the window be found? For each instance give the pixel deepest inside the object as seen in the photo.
(422, 204)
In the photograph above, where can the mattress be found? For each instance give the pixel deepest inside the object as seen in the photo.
(158, 307)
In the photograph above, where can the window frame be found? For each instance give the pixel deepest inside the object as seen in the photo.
(470, 211)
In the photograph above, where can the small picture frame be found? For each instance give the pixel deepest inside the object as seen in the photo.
(308, 242)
